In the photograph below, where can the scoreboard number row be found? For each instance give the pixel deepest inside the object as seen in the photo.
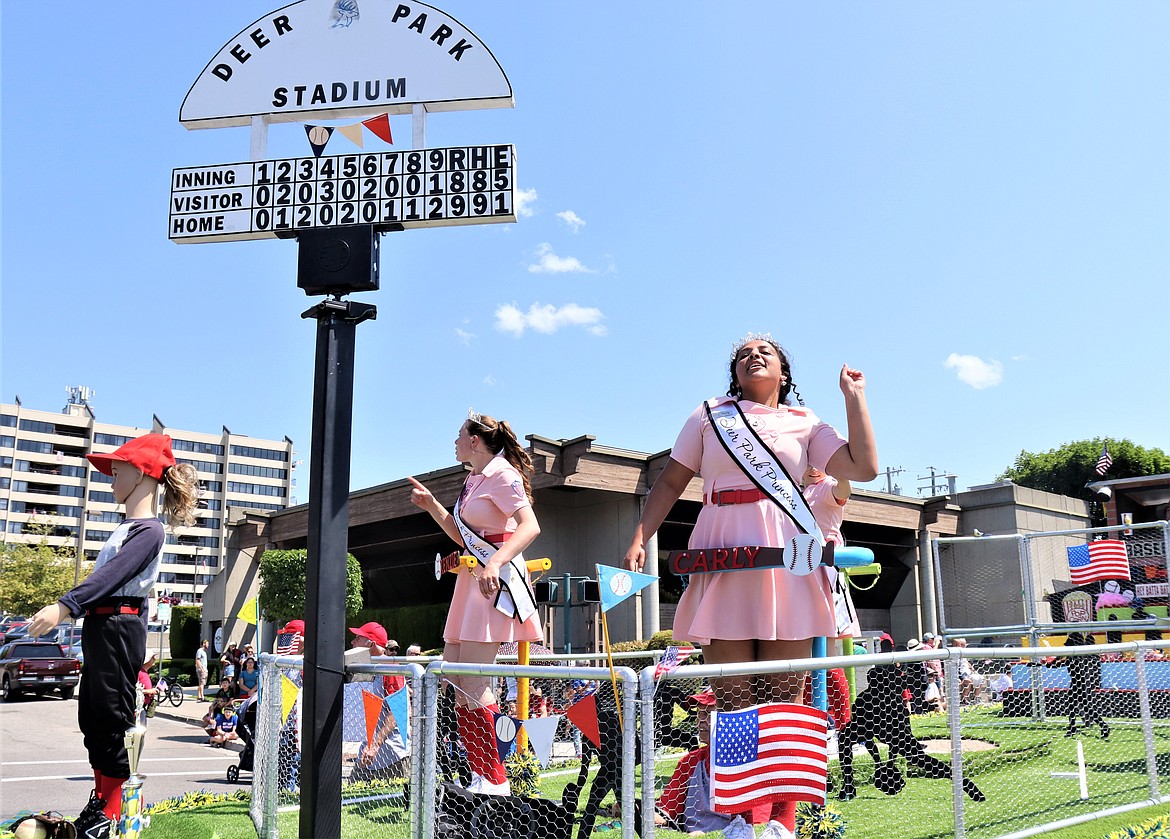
(421, 188)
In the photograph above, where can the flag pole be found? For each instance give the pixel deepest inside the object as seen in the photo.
(612, 672)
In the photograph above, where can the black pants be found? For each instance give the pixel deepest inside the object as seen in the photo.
(114, 647)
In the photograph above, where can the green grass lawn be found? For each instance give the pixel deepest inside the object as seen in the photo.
(1016, 776)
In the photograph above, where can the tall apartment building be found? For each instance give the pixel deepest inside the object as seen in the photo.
(46, 482)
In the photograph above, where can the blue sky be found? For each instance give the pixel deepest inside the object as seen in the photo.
(969, 202)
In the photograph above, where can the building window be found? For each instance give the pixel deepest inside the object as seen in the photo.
(111, 516)
(7, 442)
(198, 448)
(104, 497)
(203, 465)
(8, 420)
(255, 489)
(98, 535)
(110, 439)
(211, 486)
(32, 446)
(253, 505)
(99, 478)
(258, 471)
(261, 454)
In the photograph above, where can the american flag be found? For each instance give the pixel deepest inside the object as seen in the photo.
(1104, 559)
(672, 657)
(1104, 461)
(768, 753)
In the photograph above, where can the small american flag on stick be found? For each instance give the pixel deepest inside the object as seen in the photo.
(672, 657)
(768, 753)
(1104, 461)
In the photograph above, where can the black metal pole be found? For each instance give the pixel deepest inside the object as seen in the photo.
(337, 322)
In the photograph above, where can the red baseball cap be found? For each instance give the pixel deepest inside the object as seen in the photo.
(372, 630)
(150, 453)
(297, 626)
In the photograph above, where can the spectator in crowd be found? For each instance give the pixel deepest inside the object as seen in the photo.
(935, 691)
(970, 680)
(387, 754)
(225, 727)
(222, 699)
(1001, 683)
(201, 670)
(148, 690)
(414, 649)
(230, 662)
(248, 682)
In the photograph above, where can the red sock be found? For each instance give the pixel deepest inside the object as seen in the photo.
(785, 813)
(477, 728)
(111, 793)
(97, 782)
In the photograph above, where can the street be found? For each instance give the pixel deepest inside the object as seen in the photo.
(43, 763)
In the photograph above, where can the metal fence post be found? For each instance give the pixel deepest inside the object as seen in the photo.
(649, 768)
(429, 710)
(266, 778)
(954, 701)
(1147, 720)
(629, 795)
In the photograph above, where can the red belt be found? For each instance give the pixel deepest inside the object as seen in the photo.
(497, 538)
(114, 610)
(735, 496)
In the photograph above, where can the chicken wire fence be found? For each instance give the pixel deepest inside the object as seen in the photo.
(979, 758)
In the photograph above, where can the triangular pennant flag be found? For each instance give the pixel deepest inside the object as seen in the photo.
(617, 584)
(380, 126)
(318, 137)
(373, 708)
(353, 133)
(541, 733)
(399, 706)
(248, 613)
(583, 714)
(288, 697)
(506, 729)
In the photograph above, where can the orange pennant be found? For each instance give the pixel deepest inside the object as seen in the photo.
(583, 714)
(380, 126)
(353, 133)
(373, 711)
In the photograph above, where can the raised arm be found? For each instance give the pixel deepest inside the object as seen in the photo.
(857, 459)
(420, 496)
(666, 491)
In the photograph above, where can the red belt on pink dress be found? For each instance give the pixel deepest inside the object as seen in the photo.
(496, 538)
(735, 496)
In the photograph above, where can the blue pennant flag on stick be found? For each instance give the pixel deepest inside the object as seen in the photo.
(617, 584)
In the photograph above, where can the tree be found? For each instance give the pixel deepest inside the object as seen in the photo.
(283, 581)
(1066, 470)
(35, 574)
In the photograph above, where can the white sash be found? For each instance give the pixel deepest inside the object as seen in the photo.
(514, 599)
(766, 471)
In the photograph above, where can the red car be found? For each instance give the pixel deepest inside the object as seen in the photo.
(37, 667)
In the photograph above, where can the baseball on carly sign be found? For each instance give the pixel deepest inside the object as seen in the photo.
(30, 829)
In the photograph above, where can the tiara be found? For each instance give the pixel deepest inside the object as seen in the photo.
(752, 336)
(474, 417)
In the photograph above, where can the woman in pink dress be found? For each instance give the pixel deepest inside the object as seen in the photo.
(763, 614)
(496, 506)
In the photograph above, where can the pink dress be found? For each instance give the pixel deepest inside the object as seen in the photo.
(487, 505)
(828, 510)
(766, 604)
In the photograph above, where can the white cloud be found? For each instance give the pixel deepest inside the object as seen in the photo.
(464, 336)
(549, 263)
(974, 371)
(572, 219)
(523, 201)
(489, 380)
(547, 319)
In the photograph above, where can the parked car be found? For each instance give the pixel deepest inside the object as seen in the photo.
(38, 667)
(15, 633)
(68, 638)
(11, 622)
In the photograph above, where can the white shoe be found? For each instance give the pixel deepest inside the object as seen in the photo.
(775, 830)
(738, 829)
(483, 786)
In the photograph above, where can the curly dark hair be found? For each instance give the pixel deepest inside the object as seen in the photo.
(786, 387)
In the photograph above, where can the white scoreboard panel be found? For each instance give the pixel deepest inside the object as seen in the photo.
(419, 188)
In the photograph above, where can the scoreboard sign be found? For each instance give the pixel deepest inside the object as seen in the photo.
(421, 188)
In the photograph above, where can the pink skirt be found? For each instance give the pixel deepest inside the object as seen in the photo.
(473, 617)
(764, 604)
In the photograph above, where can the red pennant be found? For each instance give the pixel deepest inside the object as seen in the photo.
(380, 126)
(373, 711)
(583, 714)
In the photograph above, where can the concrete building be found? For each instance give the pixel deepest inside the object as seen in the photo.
(47, 486)
(588, 498)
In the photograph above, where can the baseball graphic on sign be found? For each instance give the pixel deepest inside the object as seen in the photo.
(438, 567)
(505, 728)
(802, 554)
(621, 583)
(319, 135)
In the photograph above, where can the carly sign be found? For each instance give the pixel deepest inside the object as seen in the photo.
(422, 188)
(336, 59)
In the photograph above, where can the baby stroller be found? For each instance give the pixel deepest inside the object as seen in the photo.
(246, 728)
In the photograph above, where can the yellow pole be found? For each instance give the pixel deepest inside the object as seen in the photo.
(612, 673)
(522, 696)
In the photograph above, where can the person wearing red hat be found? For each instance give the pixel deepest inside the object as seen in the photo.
(385, 755)
(113, 602)
(493, 603)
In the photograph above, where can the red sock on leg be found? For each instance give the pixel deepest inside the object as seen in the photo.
(477, 728)
(785, 813)
(97, 782)
(111, 793)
